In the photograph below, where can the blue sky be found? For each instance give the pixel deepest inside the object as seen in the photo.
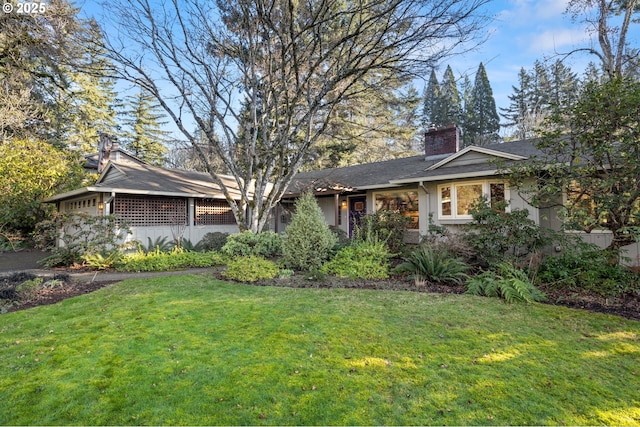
(521, 32)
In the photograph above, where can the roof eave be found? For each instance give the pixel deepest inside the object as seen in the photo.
(447, 177)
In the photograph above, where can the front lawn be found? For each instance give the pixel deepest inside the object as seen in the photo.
(194, 350)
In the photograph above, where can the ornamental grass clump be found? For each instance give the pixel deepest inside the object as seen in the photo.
(309, 241)
(434, 266)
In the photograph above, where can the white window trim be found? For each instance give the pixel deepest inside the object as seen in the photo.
(454, 196)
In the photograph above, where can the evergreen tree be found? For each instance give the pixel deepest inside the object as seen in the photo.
(481, 117)
(94, 98)
(431, 96)
(448, 104)
(379, 126)
(518, 111)
(145, 137)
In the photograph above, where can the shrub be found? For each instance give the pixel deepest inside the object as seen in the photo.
(434, 266)
(213, 241)
(360, 260)
(267, 244)
(507, 282)
(250, 269)
(160, 244)
(388, 226)
(99, 261)
(495, 233)
(163, 261)
(308, 241)
(587, 267)
(85, 234)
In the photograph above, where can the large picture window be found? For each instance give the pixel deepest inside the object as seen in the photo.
(403, 201)
(455, 200)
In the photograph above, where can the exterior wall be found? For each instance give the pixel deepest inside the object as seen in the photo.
(90, 205)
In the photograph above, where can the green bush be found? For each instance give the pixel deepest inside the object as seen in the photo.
(84, 234)
(160, 244)
(495, 234)
(507, 282)
(250, 269)
(100, 261)
(308, 241)
(267, 244)
(213, 241)
(587, 267)
(388, 226)
(360, 260)
(434, 266)
(166, 261)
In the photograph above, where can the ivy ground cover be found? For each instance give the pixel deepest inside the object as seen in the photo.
(191, 350)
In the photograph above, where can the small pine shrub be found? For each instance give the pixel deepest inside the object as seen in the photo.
(434, 266)
(267, 244)
(213, 241)
(308, 241)
(250, 269)
(360, 260)
(508, 282)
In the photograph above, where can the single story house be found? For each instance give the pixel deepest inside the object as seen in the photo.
(155, 202)
(439, 186)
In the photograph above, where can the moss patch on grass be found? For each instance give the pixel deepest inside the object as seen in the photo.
(194, 350)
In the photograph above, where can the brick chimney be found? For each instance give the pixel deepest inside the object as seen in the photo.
(442, 140)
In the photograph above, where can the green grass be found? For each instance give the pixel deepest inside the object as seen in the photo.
(193, 350)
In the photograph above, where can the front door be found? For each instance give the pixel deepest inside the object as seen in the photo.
(357, 208)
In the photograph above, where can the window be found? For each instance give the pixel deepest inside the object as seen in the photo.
(455, 200)
(213, 212)
(405, 202)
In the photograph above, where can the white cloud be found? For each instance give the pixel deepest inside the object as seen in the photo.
(550, 41)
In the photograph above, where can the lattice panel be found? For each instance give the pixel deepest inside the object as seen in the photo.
(151, 211)
(213, 212)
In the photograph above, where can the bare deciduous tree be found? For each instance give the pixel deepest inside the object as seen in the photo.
(613, 52)
(260, 78)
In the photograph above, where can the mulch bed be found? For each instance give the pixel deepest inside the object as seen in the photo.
(627, 305)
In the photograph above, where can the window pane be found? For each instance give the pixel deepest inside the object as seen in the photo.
(497, 196)
(445, 200)
(405, 202)
(467, 196)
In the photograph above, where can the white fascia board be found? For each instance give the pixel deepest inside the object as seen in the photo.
(446, 177)
(482, 150)
(87, 190)
(75, 193)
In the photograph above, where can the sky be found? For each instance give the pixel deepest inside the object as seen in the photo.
(521, 32)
